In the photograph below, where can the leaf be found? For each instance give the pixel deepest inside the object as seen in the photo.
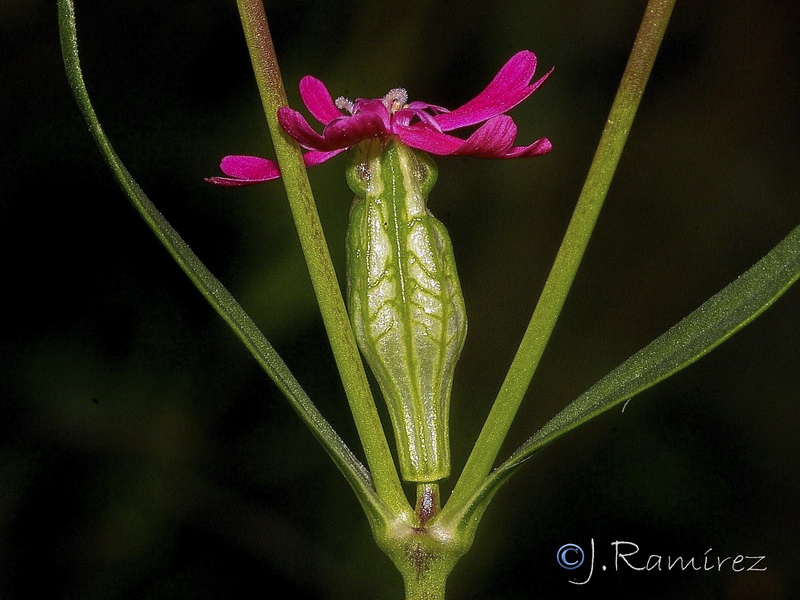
(213, 290)
(693, 337)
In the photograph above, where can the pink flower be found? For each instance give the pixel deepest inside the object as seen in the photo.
(416, 124)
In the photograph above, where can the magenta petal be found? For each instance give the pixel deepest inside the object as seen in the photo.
(246, 170)
(313, 158)
(429, 140)
(433, 108)
(296, 126)
(509, 87)
(348, 131)
(404, 117)
(491, 139)
(374, 106)
(537, 148)
(318, 100)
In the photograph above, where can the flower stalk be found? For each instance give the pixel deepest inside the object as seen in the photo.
(320, 266)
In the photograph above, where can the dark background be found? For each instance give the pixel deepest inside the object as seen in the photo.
(144, 455)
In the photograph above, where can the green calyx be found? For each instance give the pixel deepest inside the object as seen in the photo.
(404, 299)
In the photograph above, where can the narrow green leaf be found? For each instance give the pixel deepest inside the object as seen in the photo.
(213, 290)
(693, 337)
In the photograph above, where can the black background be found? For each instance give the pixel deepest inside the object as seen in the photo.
(143, 454)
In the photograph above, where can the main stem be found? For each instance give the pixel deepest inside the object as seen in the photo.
(576, 239)
(320, 266)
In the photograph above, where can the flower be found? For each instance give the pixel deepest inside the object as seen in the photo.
(416, 124)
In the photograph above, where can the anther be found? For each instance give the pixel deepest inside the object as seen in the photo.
(395, 99)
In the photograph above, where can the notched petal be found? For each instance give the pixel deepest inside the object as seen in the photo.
(246, 170)
(537, 148)
(429, 140)
(509, 87)
(318, 100)
(313, 158)
(348, 131)
(491, 139)
(249, 167)
(296, 126)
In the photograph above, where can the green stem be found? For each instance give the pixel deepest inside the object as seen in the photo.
(315, 250)
(566, 264)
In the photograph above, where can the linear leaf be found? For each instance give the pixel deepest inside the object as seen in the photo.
(708, 326)
(213, 290)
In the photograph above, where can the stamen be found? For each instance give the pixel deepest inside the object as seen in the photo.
(343, 103)
(395, 99)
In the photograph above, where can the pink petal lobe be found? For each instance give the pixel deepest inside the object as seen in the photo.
(347, 131)
(373, 106)
(318, 100)
(249, 170)
(491, 139)
(429, 140)
(404, 117)
(509, 87)
(246, 170)
(296, 126)
(537, 148)
(313, 158)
